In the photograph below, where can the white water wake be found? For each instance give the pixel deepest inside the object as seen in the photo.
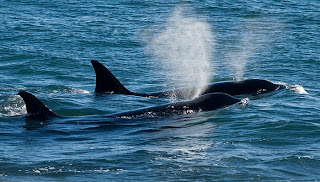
(299, 89)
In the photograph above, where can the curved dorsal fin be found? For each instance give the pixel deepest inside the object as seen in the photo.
(106, 82)
(35, 108)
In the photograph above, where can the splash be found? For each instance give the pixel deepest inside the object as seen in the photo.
(299, 89)
(296, 88)
(185, 50)
(244, 102)
(64, 89)
(11, 105)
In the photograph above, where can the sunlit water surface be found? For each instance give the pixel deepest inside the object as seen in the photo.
(46, 48)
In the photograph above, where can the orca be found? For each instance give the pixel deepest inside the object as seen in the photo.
(107, 83)
(36, 110)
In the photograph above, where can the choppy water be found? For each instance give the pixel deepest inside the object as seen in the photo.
(46, 48)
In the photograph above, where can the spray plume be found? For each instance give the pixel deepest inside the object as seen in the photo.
(185, 50)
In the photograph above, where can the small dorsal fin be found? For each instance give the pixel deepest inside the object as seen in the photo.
(35, 108)
(106, 82)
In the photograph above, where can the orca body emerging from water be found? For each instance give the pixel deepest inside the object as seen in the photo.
(106, 82)
(38, 111)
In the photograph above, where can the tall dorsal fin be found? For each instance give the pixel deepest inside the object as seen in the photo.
(35, 108)
(106, 82)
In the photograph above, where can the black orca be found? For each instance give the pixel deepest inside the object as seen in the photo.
(106, 82)
(36, 110)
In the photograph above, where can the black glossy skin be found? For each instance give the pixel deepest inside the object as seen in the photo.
(38, 111)
(206, 102)
(107, 83)
(35, 108)
(250, 87)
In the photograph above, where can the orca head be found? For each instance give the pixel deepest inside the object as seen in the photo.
(258, 86)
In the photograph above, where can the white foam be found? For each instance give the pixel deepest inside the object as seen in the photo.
(244, 102)
(296, 88)
(12, 106)
(70, 90)
(73, 90)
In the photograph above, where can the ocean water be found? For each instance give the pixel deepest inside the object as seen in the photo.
(46, 48)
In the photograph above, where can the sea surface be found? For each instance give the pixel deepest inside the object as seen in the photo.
(150, 46)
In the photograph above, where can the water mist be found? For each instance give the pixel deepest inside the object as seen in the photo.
(255, 34)
(185, 49)
(239, 58)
